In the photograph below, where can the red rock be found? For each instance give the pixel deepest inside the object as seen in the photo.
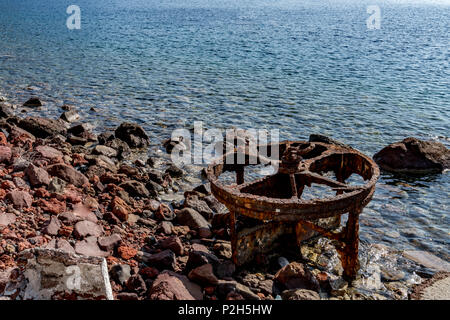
(20, 199)
(200, 247)
(52, 226)
(72, 195)
(210, 290)
(37, 176)
(60, 244)
(8, 185)
(3, 140)
(126, 253)
(49, 153)
(296, 275)
(68, 173)
(173, 243)
(23, 245)
(87, 228)
(204, 233)
(6, 218)
(120, 209)
(172, 286)
(164, 213)
(41, 193)
(127, 296)
(5, 154)
(52, 206)
(78, 160)
(148, 272)
(69, 218)
(203, 275)
(89, 247)
(136, 283)
(65, 231)
(83, 213)
(109, 243)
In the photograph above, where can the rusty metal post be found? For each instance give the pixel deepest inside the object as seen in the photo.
(349, 253)
(233, 235)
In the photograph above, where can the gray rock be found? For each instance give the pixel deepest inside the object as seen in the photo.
(109, 243)
(105, 150)
(70, 116)
(224, 287)
(163, 260)
(428, 260)
(55, 275)
(120, 273)
(191, 218)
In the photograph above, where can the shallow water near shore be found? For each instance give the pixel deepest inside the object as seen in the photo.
(302, 69)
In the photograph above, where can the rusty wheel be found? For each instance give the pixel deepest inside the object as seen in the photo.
(277, 200)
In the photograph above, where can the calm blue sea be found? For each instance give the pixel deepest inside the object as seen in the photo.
(299, 66)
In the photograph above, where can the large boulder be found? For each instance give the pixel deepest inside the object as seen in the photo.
(414, 156)
(42, 127)
(133, 135)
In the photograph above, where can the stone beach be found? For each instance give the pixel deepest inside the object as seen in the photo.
(68, 189)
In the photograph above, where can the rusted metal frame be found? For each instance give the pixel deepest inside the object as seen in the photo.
(296, 210)
(338, 236)
(349, 253)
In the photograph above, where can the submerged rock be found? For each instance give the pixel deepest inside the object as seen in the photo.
(33, 102)
(133, 135)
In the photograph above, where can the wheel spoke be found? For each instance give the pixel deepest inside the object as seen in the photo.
(317, 178)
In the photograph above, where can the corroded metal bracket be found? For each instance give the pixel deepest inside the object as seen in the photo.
(275, 202)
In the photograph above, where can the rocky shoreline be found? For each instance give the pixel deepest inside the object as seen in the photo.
(100, 195)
